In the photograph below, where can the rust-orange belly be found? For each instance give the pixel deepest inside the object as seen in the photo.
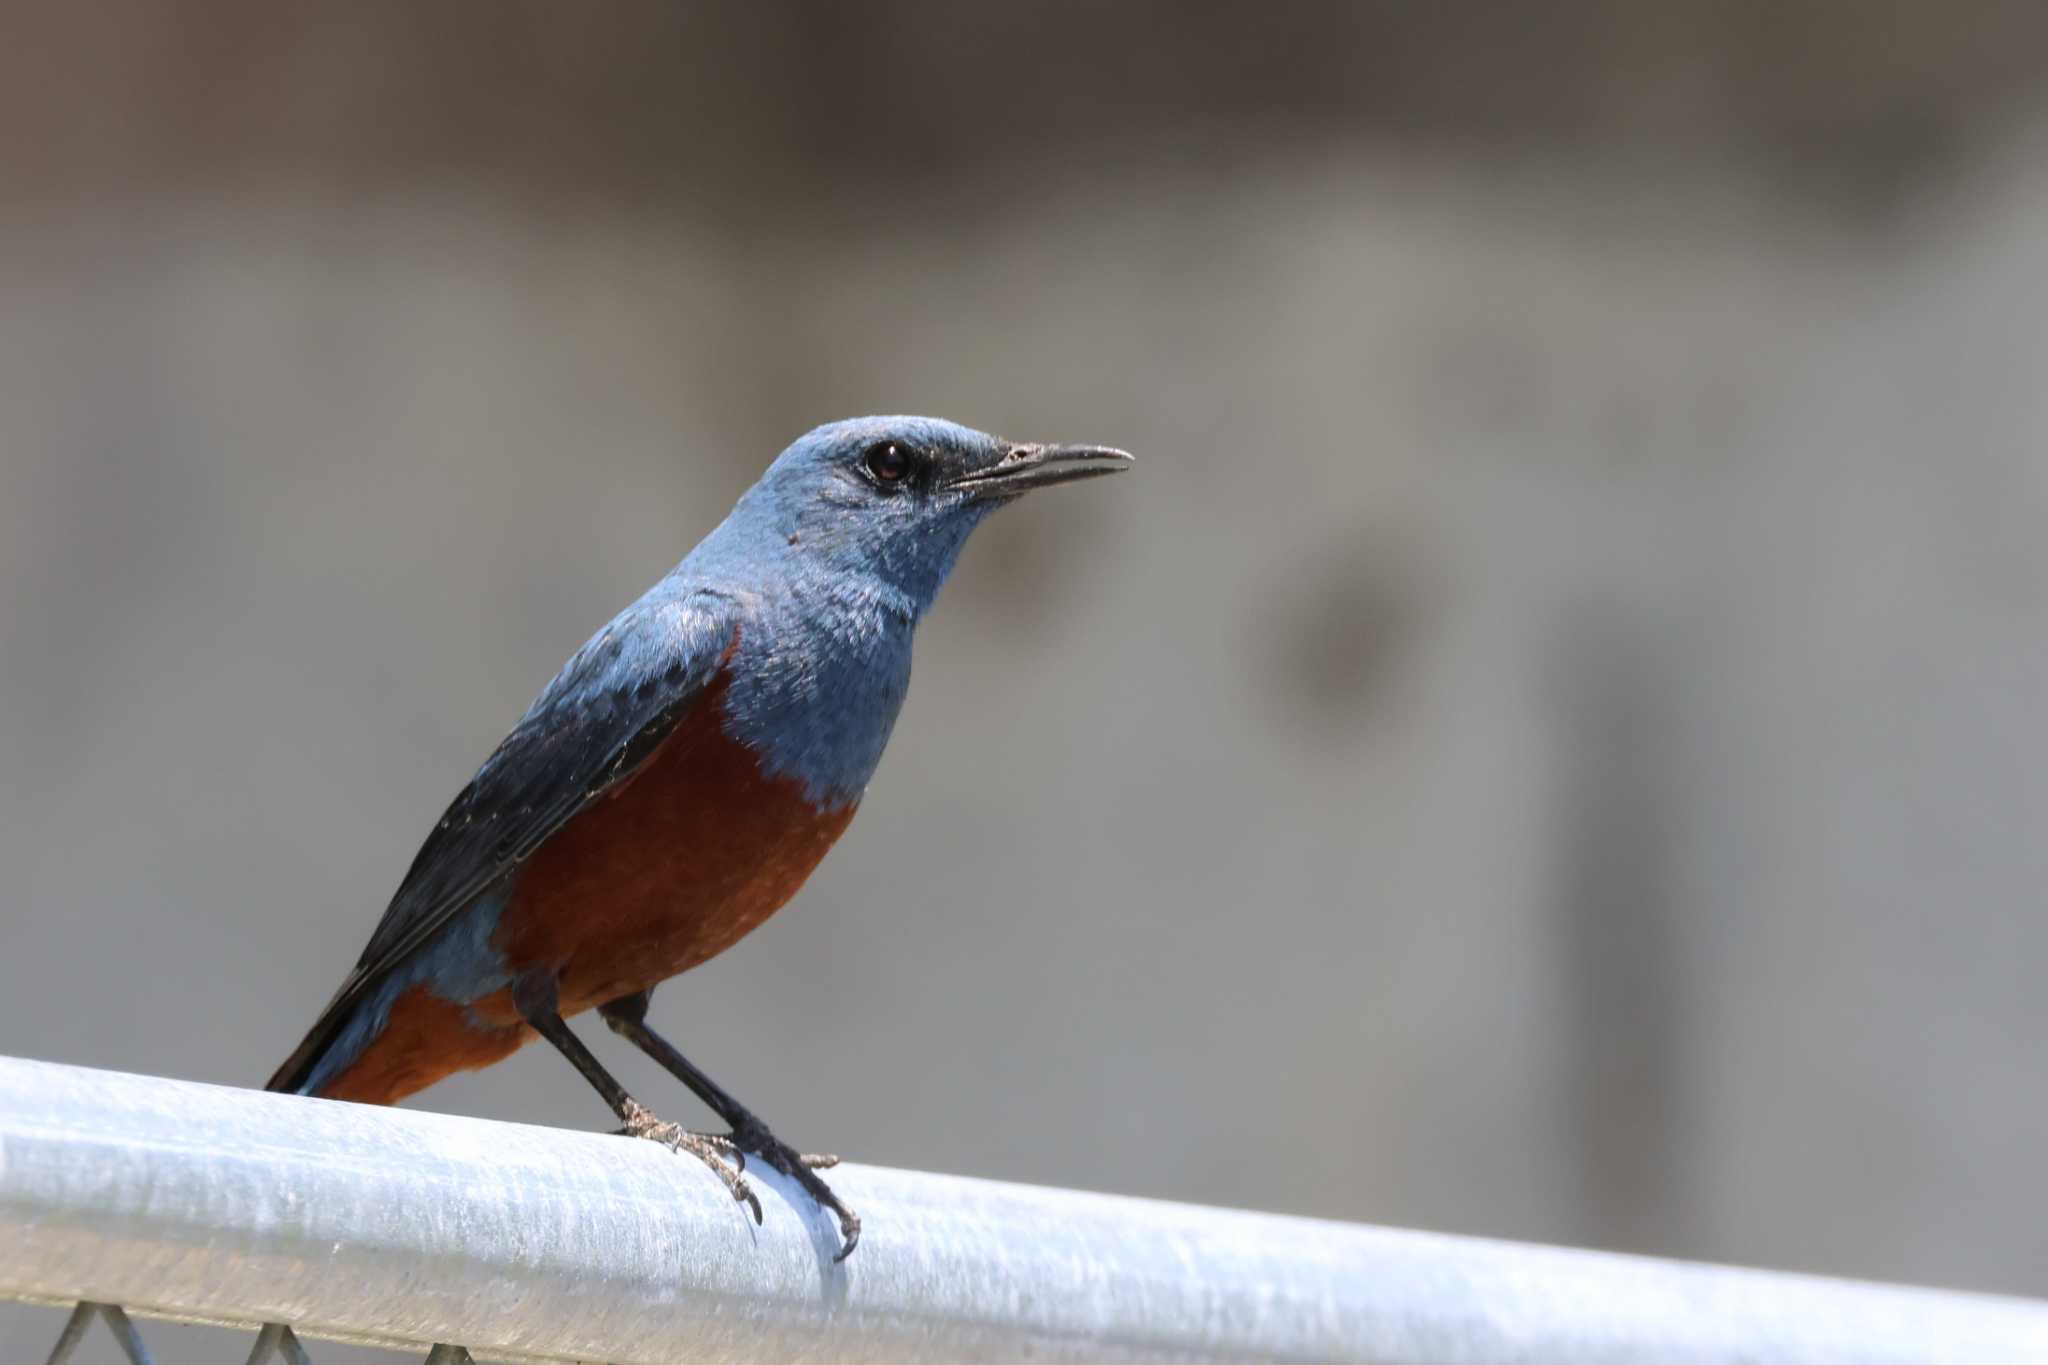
(670, 868)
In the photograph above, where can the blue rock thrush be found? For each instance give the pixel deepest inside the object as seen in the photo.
(676, 783)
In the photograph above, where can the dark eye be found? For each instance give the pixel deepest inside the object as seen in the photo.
(887, 463)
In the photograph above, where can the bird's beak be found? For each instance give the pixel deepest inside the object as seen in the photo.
(1023, 468)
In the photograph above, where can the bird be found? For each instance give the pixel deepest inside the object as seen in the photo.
(676, 783)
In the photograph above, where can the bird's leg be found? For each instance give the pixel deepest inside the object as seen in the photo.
(534, 995)
(627, 1017)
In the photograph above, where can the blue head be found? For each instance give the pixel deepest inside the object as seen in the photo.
(887, 502)
(839, 550)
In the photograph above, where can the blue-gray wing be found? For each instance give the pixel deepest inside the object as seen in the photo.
(604, 714)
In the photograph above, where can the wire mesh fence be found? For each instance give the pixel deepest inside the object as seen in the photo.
(300, 1219)
(274, 1340)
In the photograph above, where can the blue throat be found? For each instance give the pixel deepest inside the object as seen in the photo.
(826, 626)
(815, 690)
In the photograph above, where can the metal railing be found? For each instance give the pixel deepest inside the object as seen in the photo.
(403, 1229)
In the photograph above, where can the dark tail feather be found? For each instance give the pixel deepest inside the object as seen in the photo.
(292, 1076)
(298, 1069)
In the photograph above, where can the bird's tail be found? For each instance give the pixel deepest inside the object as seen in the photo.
(301, 1073)
(291, 1078)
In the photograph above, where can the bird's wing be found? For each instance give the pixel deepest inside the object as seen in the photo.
(604, 714)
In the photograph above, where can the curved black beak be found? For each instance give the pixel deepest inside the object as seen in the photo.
(1025, 467)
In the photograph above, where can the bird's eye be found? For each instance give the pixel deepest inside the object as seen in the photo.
(887, 463)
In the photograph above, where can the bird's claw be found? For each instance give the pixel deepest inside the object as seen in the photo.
(726, 1155)
(802, 1169)
(729, 1147)
(849, 1231)
(715, 1150)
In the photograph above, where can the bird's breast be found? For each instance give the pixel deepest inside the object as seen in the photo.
(816, 688)
(670, 868)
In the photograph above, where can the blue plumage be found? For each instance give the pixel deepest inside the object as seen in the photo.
(787, 632)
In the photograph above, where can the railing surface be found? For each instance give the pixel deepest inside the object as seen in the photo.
(400, 1228)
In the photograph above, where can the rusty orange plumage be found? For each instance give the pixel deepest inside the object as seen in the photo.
(676, 783)
(675, 864)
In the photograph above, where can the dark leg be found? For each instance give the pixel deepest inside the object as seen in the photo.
(534, 997)
(628, 1018)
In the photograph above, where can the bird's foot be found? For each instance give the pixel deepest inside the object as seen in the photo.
(753, 1136)
(713, 1149)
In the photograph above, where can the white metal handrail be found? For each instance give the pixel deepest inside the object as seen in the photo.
(401, 1228)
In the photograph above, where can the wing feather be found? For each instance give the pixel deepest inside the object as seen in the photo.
(604, 714)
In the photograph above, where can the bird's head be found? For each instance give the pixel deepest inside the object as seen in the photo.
(892, 499)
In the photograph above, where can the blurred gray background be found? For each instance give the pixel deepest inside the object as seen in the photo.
(1548, 743)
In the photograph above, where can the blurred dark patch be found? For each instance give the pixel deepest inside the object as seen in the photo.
(884, 106)
(1614, 802)
(1335, 636)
